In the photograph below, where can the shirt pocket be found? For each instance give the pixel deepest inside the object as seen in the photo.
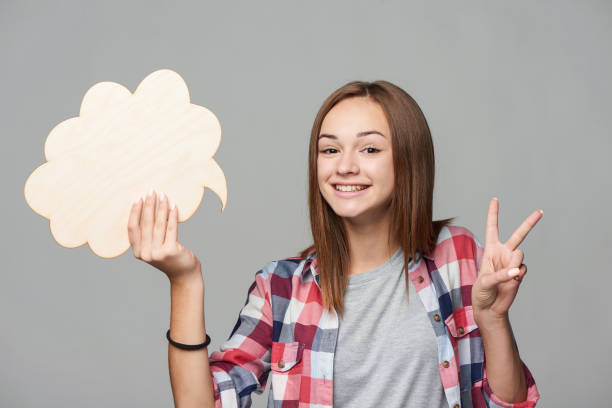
(286, 370)
(461, 326)
(461, 322)
(285, 355)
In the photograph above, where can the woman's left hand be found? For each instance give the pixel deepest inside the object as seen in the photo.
(496, 286)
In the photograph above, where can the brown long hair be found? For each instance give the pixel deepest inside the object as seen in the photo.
(411, 204)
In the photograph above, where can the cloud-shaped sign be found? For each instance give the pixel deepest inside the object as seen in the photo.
(120, 146)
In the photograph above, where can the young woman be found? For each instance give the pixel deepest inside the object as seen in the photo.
(387, 308)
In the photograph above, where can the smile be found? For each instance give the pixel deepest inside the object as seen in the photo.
(340, 187)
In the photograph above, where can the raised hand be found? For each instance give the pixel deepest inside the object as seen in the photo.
(501, 268)
(153, 233)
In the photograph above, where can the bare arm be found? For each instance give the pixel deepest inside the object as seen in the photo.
(501, 269)
(153, 234)
(190, 376)
(504, 367)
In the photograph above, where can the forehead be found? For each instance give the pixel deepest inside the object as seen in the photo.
(353, 115)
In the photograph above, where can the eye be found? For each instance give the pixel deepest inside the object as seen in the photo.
(371, 150)
(329, 150)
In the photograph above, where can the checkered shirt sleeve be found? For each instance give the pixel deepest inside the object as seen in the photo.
(242, 364)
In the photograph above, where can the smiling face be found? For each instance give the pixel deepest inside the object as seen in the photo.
(354, 161)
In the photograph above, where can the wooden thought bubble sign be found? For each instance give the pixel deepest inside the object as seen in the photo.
(120, 146)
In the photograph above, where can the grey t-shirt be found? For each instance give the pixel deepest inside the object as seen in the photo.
(386, 354)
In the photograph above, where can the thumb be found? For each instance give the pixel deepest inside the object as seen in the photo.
(498, 277)
(513, 270)
(503, 275)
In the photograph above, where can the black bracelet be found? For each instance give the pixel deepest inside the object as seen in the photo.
(187, 346)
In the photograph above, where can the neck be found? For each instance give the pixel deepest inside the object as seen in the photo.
(369, 244)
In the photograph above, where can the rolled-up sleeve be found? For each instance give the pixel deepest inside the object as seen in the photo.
(242, 364)
(494, 401)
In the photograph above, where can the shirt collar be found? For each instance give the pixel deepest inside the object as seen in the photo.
(310, 264)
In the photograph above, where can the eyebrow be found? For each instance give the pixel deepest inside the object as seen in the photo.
(360, 134)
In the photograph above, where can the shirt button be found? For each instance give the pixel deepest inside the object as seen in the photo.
(420, 279)
(445, 364)
(437, 317)
(281, 364)
(461, 331)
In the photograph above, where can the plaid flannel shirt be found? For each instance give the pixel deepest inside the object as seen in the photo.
(283, 330)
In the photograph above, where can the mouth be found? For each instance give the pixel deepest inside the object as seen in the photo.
(352, 188)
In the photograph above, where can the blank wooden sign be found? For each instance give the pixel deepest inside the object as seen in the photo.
(120, 146)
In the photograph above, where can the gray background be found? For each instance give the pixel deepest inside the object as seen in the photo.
(517, 95)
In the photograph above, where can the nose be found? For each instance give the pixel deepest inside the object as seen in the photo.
(347, 164)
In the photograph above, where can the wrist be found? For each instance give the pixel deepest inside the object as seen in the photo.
(193, 278)
(486, 319)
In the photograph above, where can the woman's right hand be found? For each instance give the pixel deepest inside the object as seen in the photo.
(153, 232)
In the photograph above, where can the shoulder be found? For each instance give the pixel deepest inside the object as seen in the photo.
(282, 268)
(283, 281)
(282, 275)
(456, 243)
(457, 256)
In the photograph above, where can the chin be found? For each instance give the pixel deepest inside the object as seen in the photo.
(350, 213)
(359, 213)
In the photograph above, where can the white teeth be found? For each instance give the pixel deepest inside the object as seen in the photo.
(349, 188)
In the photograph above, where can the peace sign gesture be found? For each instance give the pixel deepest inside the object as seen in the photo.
(501, 268)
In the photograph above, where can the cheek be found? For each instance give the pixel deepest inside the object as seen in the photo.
(323, 170)
(385, 174)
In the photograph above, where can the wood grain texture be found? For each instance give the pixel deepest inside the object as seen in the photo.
(120, 146)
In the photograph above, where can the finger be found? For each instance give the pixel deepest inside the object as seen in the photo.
(521, 232)
(172, 229)
(522, 273)
(517, 258)
(505, 274)
(512, 259)
(488, 280)
(516, 267)
(134, 226)
(491, 231)
(161, 220)
(146, 223)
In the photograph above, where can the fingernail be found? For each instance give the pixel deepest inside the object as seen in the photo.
(172, 206)
(541, 211)
(513, 272)
(150, 193)
(161, 196)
